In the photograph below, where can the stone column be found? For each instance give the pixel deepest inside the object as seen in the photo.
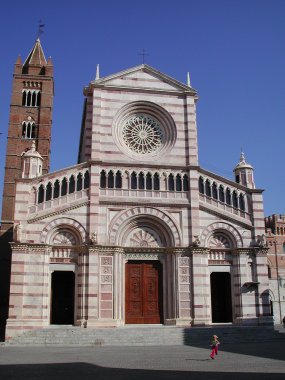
(184, 286)
(118, 285)
(201, 288)
(170, 291)
(82, 284)
(237, 286)
(92, 285)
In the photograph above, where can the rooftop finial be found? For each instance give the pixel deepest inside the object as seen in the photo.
(97, 72)
(40, 28)
(188, 79)
(242, 157)
(33, 147)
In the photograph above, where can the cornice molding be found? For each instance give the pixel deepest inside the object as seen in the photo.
(224, 215)
(62, 211)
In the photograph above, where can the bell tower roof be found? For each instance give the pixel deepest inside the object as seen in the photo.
(242, 163)
(32, 152)
(36, 56)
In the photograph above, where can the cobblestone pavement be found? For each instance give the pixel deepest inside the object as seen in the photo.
(240, 361)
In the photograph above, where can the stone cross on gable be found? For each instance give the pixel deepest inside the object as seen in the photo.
(143, 54)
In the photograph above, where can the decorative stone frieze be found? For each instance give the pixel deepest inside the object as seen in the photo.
(143, 256)
(199, 251)
(262, 251)
(179, 251)
(251, 251)
(30, 248)
(143, 250)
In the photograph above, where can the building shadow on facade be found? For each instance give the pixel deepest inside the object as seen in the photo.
(5, 272)
(246, 344)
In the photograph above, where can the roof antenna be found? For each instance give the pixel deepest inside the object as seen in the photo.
(40, 28)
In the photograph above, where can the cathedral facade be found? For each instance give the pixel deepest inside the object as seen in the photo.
(137, 232)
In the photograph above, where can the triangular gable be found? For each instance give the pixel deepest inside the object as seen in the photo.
(144, 77)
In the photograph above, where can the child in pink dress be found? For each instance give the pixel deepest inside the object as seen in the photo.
(214, 345)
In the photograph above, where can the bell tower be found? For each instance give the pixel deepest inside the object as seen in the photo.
(30, 120)
(244, 173)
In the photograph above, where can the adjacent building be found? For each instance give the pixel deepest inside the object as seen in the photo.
(275, 236)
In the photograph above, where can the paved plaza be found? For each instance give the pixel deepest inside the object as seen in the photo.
(252, 361)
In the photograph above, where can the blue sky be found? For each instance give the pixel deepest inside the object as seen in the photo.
(234, 50)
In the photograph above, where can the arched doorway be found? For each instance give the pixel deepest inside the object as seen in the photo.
(143, 296)
(62, 297)
(221, 297)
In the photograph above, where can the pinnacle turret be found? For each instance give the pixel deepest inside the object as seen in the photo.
(244, 172)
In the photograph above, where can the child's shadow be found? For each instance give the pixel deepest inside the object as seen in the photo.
(199, 360)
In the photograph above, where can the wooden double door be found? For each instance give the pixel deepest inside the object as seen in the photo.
(143, 292)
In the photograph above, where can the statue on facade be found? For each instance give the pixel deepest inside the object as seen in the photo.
(18, 232)
(196, 241)
(261, 241)
(93, 238)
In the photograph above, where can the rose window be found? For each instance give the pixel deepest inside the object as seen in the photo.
(142, 134)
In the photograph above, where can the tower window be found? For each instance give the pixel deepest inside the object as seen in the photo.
(31, 98)
(28, 130)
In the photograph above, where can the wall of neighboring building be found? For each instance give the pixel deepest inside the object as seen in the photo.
(275, 236)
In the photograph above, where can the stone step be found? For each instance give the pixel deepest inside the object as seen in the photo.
(146, 335)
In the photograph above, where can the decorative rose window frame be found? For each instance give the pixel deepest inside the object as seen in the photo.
(142, 134)
(143, 130)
